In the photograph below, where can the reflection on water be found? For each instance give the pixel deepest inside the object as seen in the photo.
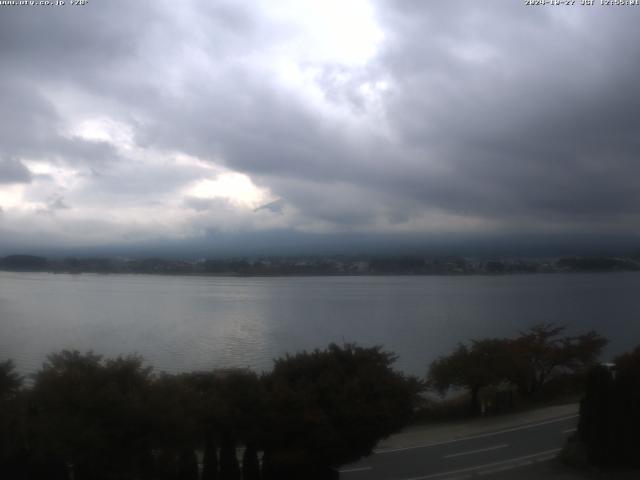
(186, 323)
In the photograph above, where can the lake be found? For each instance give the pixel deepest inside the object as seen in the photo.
(186, 323)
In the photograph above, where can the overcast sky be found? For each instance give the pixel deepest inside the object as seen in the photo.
(129, 122)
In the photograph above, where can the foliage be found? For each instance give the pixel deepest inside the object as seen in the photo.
(229, 466)
(528, 362)
(11, 420)
(93, 413)
(173, 404)
(610, 413)
(329, 407)
(250, 463)
(210, 459)
(475, 367)
(10, 381)
(540, 353)
(90, 418)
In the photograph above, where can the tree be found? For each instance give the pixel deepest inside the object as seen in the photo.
(595, 415)
(12, 444)
(528, 362)
(210, 458)
(174, 406)
(187, 465)
(626, 413)
(540, 353)
(610, 412)
(92, 413)
(330, 407)
(229, 466)
(231, 409)
(250, 463)
(10, 380)
(474, 367)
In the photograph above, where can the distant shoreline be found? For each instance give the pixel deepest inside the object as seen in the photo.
(317, 275)
(331, 266)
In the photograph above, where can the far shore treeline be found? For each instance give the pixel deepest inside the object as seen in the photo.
(322, 265)
(85, 417)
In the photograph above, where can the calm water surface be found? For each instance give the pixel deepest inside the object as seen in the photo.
(186, 323)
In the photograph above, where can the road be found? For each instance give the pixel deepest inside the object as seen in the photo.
(481, 454)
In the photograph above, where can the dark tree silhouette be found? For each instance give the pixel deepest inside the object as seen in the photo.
(595, 415)
(610, 413)
(210, 458)
(229, 466)
(10, 381)
(528, 362)
(540, 353)
(250, 463)
(330, 407)
(475, 367)
(13, 461)
(231, 410)
(92, 413)
(187, 465)
(627, 407)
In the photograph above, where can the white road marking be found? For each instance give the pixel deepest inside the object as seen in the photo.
(480, 450)
(569, 430)
(544, 458)
(358, 469)
(514, 461)
(473, 437)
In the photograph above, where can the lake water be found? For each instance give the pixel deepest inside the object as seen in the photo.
(186, 323)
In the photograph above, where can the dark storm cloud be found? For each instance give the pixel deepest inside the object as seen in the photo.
(540, 120)
(523, 119)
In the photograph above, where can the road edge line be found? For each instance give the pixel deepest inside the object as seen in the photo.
(487, 465)
(480, 435)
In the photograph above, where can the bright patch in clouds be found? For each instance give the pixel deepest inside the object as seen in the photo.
(62, 176)
(232, 186)
(331, 30)
(325, 53)
(104, 129)
(11, 196)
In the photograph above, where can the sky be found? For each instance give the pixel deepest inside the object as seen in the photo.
(155, 122)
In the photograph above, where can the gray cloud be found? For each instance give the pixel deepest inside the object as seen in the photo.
(277, 206)
(536, 129)
(58, 203)
(53, 205)
(206, 204)
(13, 170)
(470, 115)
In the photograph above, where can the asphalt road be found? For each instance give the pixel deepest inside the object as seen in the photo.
(485, 454)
